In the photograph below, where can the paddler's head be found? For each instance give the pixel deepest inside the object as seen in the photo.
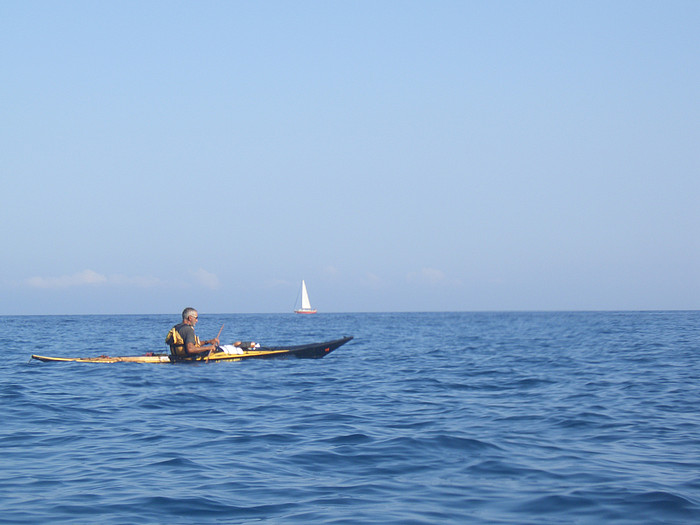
(190, 316)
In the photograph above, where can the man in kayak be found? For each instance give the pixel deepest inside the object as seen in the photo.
(182, 339)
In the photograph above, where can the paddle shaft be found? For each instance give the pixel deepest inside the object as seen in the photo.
(217, 336)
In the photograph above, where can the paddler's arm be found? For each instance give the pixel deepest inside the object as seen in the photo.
(192, 349)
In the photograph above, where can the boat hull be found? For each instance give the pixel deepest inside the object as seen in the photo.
(307, 351)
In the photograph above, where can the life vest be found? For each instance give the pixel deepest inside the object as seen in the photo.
(177, 343)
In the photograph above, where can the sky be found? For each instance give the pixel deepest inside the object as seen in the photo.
(397, 155)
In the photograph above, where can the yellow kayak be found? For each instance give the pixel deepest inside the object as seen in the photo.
(307, 351)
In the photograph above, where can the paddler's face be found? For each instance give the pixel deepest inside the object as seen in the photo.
(193, 319)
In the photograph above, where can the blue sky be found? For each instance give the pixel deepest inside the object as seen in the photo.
(397, 155)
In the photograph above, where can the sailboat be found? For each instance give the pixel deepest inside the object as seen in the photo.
(305, 304)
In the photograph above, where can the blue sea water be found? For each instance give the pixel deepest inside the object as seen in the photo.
(423, 418)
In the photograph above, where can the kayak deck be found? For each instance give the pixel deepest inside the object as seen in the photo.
(306, 351)
(155, 358)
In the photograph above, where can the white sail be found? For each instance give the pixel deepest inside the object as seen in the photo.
(305, 303)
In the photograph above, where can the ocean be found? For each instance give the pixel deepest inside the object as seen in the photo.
(424, 418)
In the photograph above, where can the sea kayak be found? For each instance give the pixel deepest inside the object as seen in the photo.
(307, 351)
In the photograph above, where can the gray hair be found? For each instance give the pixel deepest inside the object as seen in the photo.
(187, 312)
